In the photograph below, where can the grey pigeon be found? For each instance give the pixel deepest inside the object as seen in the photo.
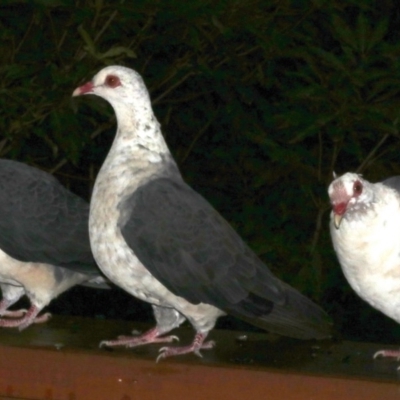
(44, 242)
(159, 240)
(365, 231)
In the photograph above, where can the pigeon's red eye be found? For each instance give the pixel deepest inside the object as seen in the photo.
(112, 81)
(357, 188)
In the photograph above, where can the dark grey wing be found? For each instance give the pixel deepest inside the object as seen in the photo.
(41, 221)
(393, 182)
(191, 249)
(186, 244)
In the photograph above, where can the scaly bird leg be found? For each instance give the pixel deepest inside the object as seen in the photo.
(197, 345)
(29, 318)
(151, 336)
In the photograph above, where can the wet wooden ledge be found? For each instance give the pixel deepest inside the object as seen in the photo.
(61, 361)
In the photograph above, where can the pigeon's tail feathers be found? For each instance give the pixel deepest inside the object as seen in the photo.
(296, 316)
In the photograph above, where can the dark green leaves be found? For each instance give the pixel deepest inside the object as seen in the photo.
(259, 101)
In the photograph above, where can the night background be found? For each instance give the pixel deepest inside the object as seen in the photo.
(259, 101)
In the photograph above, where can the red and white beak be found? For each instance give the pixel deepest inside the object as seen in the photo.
(87, 88)
(338, 213)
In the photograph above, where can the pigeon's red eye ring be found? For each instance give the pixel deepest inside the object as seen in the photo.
(112, 81)
(357, 188)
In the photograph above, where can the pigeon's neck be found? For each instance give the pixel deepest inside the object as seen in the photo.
(138, 154)
(138, 133)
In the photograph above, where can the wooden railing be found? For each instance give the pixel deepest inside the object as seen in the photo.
(61, 361)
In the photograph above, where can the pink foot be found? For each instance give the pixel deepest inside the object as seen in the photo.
(151, 336)
(14, 314)
(5, 303)
(29, 318)
(197, 345)
(388, 354)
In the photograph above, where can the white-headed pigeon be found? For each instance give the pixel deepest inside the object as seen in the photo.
(365, 227)
(44, 242)
(158, 239)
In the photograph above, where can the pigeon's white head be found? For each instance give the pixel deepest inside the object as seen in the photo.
(125, 90)
(122, 87)
(349, 193)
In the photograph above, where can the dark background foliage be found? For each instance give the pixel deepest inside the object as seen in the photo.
(260, 101)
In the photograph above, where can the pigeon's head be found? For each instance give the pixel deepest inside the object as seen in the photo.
(120, 86)
(349, 193)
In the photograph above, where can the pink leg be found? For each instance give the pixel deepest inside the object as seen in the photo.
(151, 336)
(388, 354)
(4, 304)
(197, 345)
(29, 318)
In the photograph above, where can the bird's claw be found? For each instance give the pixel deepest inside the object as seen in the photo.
(209, 345)
(174, 351)
(387, 353)
(37, 320)
(167, 351)
(164, 353)
(198, 354)
(378, 353)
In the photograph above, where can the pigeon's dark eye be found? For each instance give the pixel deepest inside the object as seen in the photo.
(112, 81)
(357, 188)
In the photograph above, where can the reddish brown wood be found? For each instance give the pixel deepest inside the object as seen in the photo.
(56, 362)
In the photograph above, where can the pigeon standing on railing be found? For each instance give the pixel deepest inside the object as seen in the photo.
(365, 231)
(162, 242)
(44, 242)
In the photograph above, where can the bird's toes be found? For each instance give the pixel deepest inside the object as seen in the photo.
(164, 353)
(378, 354)
(14, 314)
(24, 325)
(198, 354)
(42, 318)
(163, 349)
(103, 343)
(208, 345)
(160, 357)
(387, 353)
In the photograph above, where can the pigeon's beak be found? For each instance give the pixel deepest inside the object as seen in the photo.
(339, 209)
(337, 219)
(87, 88)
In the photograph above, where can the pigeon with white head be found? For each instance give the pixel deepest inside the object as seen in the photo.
(365, 231)
(155, 237)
